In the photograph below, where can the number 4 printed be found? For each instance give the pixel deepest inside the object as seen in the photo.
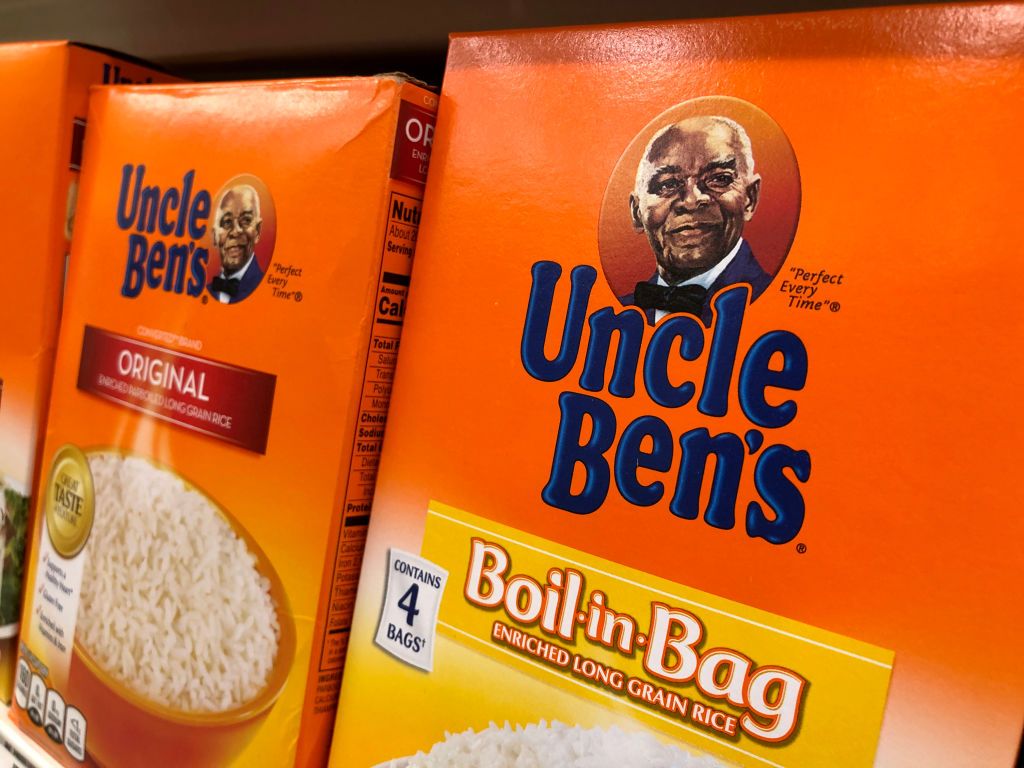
(408, 603)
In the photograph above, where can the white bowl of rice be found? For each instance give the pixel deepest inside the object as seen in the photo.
(184, 638)
(552, 746)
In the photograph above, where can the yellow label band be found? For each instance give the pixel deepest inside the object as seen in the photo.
(752, 687)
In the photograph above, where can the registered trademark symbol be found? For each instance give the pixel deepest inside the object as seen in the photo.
(205, 299)
(298, 295)
(834, 306)
(801, 548)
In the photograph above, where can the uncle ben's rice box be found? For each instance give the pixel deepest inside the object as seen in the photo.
(235, 302)
(729, 354)
(45, 90)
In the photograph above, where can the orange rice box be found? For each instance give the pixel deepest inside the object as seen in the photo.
(45, 90)
(701, 446)
(235, 302)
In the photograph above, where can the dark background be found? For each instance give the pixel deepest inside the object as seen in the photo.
(214, 39)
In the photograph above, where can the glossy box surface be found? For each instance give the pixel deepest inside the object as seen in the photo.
(818, 482)
(45, 89)
(235, 301)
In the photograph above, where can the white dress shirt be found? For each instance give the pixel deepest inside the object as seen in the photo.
(704, 279)
(222, 297)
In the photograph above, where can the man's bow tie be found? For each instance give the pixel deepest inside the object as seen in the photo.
(228, 285)
(670, 298)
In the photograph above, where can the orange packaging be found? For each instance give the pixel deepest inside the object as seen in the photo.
(45, 90)
(704, 430)
(235, 300)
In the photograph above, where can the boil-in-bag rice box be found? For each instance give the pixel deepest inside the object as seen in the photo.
(45, 91)
(237, 290)
(704, 439)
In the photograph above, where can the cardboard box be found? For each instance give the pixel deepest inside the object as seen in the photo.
(764, 511)
(45, 89)
(235, 301)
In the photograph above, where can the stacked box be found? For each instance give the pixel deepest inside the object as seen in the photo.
(235, 302)
(45, 88)
(727, 454)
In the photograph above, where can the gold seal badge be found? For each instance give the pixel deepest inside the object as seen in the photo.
(70, 501)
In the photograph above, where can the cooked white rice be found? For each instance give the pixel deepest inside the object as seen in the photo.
(554, 746)
(172, 603)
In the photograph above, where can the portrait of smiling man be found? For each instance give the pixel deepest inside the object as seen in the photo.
(236, 230)
(695, 190)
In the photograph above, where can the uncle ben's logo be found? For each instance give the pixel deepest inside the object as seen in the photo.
(183, 240)
(697, 219)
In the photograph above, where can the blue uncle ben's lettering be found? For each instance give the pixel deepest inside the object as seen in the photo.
(166, 228)
(588, 426)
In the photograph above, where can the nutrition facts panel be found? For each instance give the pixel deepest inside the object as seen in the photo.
(392, 291)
